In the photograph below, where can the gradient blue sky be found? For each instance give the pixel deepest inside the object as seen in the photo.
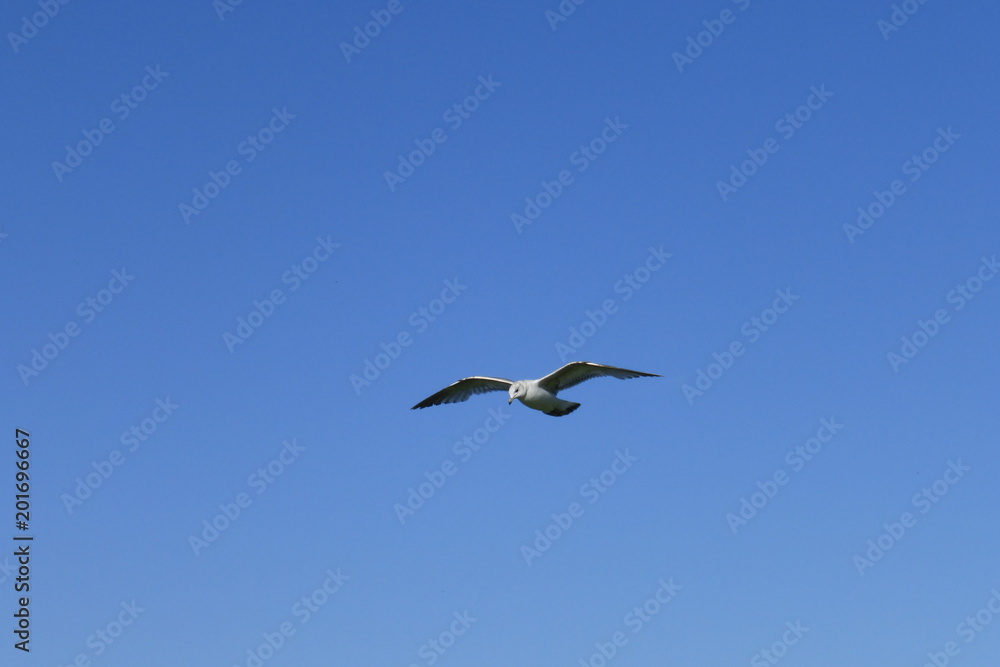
(357, 453)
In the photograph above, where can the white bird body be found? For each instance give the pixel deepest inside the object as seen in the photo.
(536, 394)
(537, 398)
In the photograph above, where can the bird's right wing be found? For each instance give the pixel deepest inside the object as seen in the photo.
(463, 389)
(576, 372)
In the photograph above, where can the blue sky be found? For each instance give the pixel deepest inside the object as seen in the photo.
(217, 214)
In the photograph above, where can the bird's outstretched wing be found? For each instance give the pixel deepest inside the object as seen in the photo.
(463, 389)
(576, 372)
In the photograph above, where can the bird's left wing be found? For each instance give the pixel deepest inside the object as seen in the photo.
(580, 371)
(463, 389)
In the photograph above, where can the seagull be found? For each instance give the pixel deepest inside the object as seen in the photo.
(536, 394)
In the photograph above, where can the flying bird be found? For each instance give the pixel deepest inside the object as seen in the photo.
(536, 394)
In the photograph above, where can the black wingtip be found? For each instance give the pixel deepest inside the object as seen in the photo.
(594, 363)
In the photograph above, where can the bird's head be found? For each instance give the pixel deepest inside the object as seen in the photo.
(516, 391)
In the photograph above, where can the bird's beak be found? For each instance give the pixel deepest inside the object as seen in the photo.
(510, 400)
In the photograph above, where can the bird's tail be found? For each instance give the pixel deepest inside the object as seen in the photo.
(564, 410)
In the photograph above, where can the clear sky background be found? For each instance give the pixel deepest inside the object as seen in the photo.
(841, 558)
